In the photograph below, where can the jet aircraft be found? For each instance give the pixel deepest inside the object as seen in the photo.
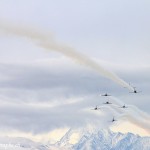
(96, 108)
(105, 94)
(107, 102)
(124, 106)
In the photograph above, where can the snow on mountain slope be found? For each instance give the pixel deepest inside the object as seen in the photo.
(86, 140)
(8, 143)
(104, 140)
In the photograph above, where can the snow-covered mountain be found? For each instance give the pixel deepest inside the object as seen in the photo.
(103, 140)
(19, 143)
(82, 140)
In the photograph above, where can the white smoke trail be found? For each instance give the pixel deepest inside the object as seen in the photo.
(131, 108)
(46, 41)
(141, 113)
(138, 121)
(132, 114)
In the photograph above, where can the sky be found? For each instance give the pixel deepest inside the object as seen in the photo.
(39, 87)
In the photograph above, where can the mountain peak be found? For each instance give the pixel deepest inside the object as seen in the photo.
(103, 139)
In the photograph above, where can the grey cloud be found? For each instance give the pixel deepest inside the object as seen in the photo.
(25, 79)
(73, 89)
(43, 119)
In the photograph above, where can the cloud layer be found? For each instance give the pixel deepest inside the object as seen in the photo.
(37, 97)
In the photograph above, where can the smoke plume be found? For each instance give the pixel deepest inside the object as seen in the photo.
(47, 41)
